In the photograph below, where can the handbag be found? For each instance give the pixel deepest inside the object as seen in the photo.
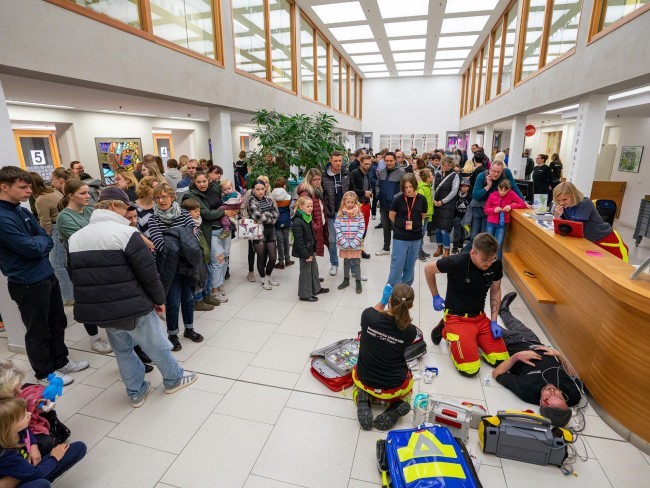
(58, 430)
(249, 229)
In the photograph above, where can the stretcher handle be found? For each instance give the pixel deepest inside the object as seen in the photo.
(521, 416)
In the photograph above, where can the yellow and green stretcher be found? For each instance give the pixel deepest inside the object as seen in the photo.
(425, 458)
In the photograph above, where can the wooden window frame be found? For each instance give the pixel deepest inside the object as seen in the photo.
(50, 134)
(268, 49)
(144, 11)
(338, 75)
(596, 30)
(168, 137)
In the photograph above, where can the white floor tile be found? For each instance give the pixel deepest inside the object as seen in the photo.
(265, 309)
(291, 455)
(222, 313)
(623, 463)
(596, 427)
(218, 362)
(307, 383)
(74, 399)
(224, 449)
(253, 402)
(503, 399)
(88, 429)
(364, 467)
(212, 384)
(589, 475)
(94, 360)
(238, 298)
(259, 482)
(269, 377)
(182, 413)
(492, 477)
(449, 379)
(112, 405)
(285, 353)
(325, 303)
(242, 335)
(104, 376)
(345, 320)
(337, 406)
(122, 464)
(305, 323)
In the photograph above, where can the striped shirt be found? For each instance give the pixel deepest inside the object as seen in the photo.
(157, 226)
(144, 215)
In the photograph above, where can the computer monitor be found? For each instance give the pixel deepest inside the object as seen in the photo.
(568, 228)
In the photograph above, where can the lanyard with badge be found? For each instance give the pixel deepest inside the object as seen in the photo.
(409, 222)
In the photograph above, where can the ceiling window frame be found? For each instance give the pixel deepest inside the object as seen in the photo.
(596, 30)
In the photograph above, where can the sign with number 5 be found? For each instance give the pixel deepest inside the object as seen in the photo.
(38, 158)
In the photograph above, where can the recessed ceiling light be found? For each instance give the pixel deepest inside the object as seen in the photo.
(414, 56)
(409, 66)
(408, 44)
(630, 93)
(464, 24)
(340, 12)
(448, 64)
(406, 29)
(411, 73)
(562, 109)
(445, 71)
(352, 32)
(361, 47)
(385, 74)
(457, 41)
(36, 104)
(458, 6)
(391, 9)
(453, 54)
(373, 67)
(368, 58)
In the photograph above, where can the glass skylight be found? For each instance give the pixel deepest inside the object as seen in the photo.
(373, 67)
(464, 24)
(368, 58)
(459, 6)
(445, 71)
(411, 73)
(453, 54)
(406, 29)
(457, 41)
(448, 64)
(352, 32)
(391, 9)
(385, 74)
(361, 47)
(409, 44)
(334, 13)
(409, 66)
(412, 56)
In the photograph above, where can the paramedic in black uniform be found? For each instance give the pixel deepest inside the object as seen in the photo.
(535, 373)
(381, 371)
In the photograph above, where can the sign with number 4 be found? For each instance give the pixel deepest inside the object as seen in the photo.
(38, 158)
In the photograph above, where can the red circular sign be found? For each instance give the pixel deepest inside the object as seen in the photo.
(530, 130)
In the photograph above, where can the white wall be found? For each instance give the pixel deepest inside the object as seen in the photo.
(422, 105)
(633, 132)
(537, 143)
(88, 125)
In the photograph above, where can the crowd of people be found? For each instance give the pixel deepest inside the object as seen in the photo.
(155, 245)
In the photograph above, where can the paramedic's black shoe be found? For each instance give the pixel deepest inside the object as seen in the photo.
(389, 418)
(192, 335)
(436, 333)
(506, 300)
(176, 344)
(364, 413)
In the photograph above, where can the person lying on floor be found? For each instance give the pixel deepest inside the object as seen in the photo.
(381, 371)
(535, 373)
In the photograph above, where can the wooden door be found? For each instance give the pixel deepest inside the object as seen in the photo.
(163, 146)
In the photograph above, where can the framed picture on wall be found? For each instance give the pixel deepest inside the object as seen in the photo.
(630, 158)
(113, 153)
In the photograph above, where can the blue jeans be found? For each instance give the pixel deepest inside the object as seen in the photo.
(72, 456)
(402, 261)
(180, 295)
(424, 232)
(149, 336)
(58, 259)
(334, 257)
(499, 233)
(219, 263)
(442, 238)
(207, 289)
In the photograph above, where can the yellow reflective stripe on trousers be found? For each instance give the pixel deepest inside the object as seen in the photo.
(620, 245)
(378, 394)
(433, 470)
(493, 357)
(469, 368)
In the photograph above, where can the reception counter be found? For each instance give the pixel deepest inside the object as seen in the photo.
(592, 311)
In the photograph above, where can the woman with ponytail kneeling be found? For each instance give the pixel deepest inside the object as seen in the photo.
(381, 371)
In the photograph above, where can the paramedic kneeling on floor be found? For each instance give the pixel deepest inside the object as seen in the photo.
(381, 371)
(535, 373)
(465, 325)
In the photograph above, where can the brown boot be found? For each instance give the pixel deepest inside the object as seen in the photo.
(445, 254)
(438, 252)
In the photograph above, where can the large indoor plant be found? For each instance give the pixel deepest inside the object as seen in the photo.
(296, 142)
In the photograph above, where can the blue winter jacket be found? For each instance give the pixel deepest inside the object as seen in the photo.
(388, 185)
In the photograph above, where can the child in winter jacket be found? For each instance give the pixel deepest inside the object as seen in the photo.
(497, 209)
(304, 248)
(462, 204)
(231, 201)
(350, 227)
(424, 189)
(283, 224)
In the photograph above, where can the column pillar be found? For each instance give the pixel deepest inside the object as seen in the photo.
(488, 139)
(516, 163)
(472, 140)
(221, 137)
(8, 308)
(586, 141)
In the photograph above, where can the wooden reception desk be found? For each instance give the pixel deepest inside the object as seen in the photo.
(592, 311)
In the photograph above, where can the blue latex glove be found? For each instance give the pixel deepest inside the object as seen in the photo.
(496, 329)
(438, 303)
(388, 291)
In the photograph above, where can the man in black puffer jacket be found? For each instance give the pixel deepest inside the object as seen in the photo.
(117, 286)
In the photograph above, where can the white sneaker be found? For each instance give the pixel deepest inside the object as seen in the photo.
(265, 283)
(382, 253)
(221, 297)
(364, 277)
(100, 345)
(66, 379)
(272, 281)
(73, 367)
(333, 270)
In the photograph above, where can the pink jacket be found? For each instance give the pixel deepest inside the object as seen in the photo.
(495, 200)
(31, 394)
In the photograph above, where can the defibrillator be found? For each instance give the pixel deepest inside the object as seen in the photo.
(523, 436)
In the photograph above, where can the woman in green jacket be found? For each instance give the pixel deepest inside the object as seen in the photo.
(424, 189)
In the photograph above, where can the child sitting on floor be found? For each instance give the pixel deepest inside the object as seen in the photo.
(231, 201)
